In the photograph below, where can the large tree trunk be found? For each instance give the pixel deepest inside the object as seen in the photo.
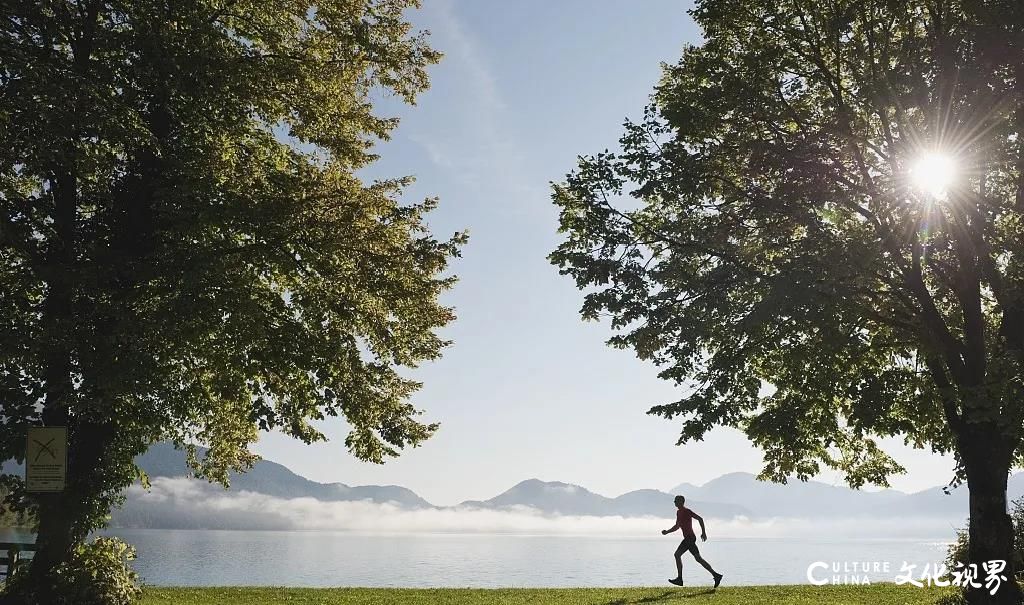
(67, 518)
(54, 511)
(987, 465)
(55, 542)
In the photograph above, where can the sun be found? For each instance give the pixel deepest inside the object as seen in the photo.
(934, 173)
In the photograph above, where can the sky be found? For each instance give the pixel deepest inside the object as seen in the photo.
(529, 390)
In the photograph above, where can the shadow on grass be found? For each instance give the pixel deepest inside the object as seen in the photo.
(668, 595)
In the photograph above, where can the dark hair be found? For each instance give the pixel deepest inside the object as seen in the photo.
(679, 500)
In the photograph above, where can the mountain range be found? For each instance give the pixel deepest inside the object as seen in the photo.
(273, 479)
(813, 499)
(553, 497)
(726, 497)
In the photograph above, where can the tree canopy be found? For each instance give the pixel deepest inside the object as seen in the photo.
(759, 226)
(187, 252)
(817, 231)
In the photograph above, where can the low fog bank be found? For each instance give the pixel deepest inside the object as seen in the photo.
(182, 503)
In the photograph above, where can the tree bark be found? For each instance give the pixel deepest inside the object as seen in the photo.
(987, 462)
(55, 541)
(54, 537)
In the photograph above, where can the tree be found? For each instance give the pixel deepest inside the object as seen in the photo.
(764, 236)
(186, 250)
(956, 554)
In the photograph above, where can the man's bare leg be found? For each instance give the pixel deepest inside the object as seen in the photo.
(678, 580)
(705, 565)
(714, 574)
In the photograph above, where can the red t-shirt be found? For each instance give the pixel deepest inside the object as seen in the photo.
(684, 519)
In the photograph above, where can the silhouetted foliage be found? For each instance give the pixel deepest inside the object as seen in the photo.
(757, 236)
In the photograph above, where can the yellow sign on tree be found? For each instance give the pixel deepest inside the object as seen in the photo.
(46, 459)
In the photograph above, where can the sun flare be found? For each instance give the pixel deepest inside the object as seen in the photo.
(933, 174)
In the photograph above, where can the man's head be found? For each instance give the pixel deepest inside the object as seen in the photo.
(680, 501)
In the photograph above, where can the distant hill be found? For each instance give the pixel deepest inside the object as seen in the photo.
(814, 499)
(567, 499)
(274, 479)
(177, 509)
(265, 477)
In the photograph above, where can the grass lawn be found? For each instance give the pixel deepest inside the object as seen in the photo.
(742, 595)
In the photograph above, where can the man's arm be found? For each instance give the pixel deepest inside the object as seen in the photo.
(703, 532)
(666, 532)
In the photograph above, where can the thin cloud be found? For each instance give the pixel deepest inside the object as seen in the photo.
(464, 48)
(480, 150)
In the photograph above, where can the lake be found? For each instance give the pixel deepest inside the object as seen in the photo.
(335, 558)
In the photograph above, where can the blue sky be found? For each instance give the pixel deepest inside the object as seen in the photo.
(528, 389)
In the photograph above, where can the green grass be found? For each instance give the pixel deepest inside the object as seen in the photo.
(743, 595)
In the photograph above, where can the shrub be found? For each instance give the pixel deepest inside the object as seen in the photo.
(958, 550)
(98, 573)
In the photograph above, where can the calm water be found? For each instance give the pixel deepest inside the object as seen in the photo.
(323, 558)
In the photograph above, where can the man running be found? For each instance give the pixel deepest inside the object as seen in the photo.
(684, 521)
